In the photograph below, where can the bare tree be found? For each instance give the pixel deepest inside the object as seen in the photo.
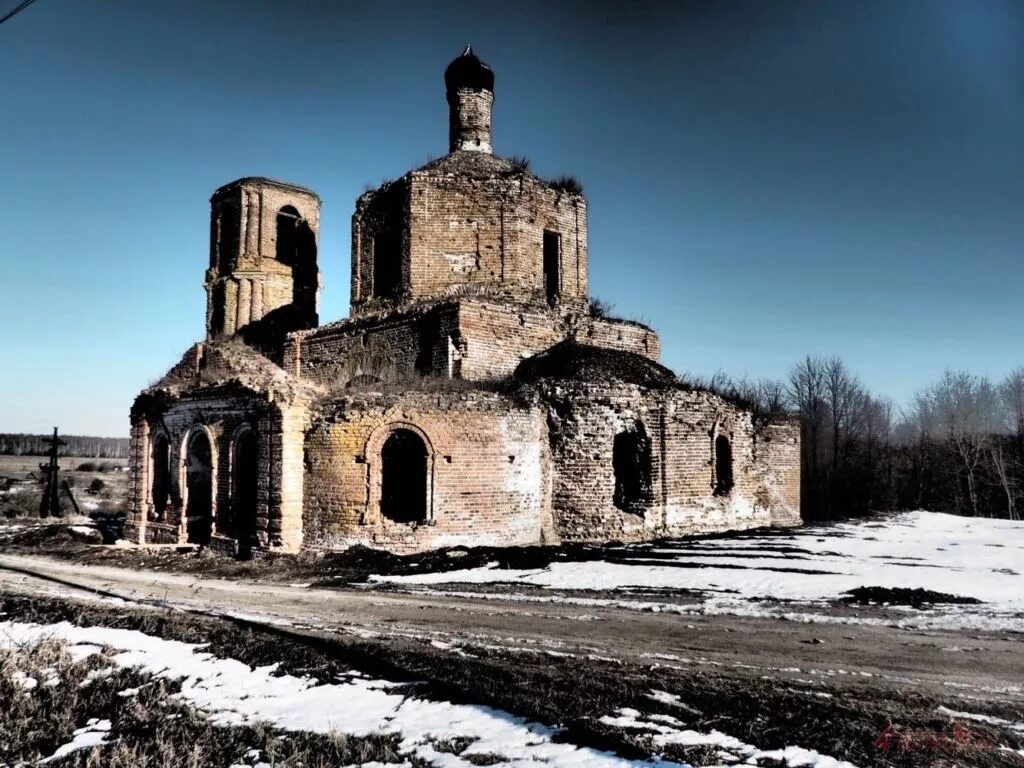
(965, 407)
(1011, 392)
(772, 396)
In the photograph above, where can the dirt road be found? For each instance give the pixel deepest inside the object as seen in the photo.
(987, 666)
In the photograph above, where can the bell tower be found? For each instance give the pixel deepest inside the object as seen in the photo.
(263, 280)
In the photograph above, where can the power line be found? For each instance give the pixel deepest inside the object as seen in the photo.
(21, 7)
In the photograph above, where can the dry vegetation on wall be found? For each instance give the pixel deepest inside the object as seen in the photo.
(599, 308)
(957, 447)
(569, 184)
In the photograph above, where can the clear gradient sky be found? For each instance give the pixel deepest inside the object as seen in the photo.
(766, 180)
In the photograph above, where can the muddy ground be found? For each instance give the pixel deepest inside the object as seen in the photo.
(826, 686)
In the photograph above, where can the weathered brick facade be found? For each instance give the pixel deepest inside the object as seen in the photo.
(472, 397)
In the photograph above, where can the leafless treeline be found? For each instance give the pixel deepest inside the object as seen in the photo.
(958, 447)
(77, 445)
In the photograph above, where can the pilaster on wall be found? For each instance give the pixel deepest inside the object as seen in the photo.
(284, 526)
(138, 482)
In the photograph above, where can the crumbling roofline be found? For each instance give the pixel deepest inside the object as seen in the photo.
(265, 181)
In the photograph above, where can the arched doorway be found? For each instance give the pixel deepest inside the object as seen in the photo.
(631, 463)
(160, 473)
(244, 479)
(199, 484)
(723, 466)
(403, 476)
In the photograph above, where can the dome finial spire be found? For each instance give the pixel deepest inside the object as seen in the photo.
(469, 50)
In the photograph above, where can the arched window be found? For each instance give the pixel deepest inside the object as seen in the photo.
(160, 474)
(631, 462)
(199, 482)
(287, 235)
(723, 466)
(244, 479)
(403, 476)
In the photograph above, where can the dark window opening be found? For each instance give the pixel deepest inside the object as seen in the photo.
(387, 264)
(217, 313)
(161, 476)
(244, 495)
(228, 241)
(199, 481)
(287, 235)
(723, 466)
(428, 336)
(631, 462)
(552, 277)
(403, 496)
(305, 277)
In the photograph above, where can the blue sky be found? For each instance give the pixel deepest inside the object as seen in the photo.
(766, 180)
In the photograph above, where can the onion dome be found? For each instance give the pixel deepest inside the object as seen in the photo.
(467, 71)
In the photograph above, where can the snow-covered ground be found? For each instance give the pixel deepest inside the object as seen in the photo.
(969, 557)
(234, 693)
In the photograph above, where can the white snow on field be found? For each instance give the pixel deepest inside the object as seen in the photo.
(233, 693)
(665, 730)
(971, 557)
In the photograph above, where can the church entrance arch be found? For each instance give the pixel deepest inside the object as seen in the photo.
(199, 488)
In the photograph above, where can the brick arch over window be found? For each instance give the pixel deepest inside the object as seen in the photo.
(400, 463)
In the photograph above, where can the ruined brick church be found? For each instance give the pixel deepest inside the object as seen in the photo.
(474, 397)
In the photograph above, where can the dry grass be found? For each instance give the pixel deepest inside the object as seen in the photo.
(46, 695)
(548, 689)
(80, 474)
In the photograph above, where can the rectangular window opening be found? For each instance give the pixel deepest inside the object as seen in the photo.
(552, 260)
(387, 264)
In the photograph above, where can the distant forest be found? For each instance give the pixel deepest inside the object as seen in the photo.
(957, 447)
(77, 445)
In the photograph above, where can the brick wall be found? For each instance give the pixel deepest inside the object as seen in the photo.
(457, 234)
(390, 347)
(497, 337)
(777, 451)
(473, 339)
(487, 464)
(682, 427)
(469, 119)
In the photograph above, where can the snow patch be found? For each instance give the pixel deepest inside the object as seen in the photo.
(665, 730)
(232, 693)
(971, 557)
(92, 734)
